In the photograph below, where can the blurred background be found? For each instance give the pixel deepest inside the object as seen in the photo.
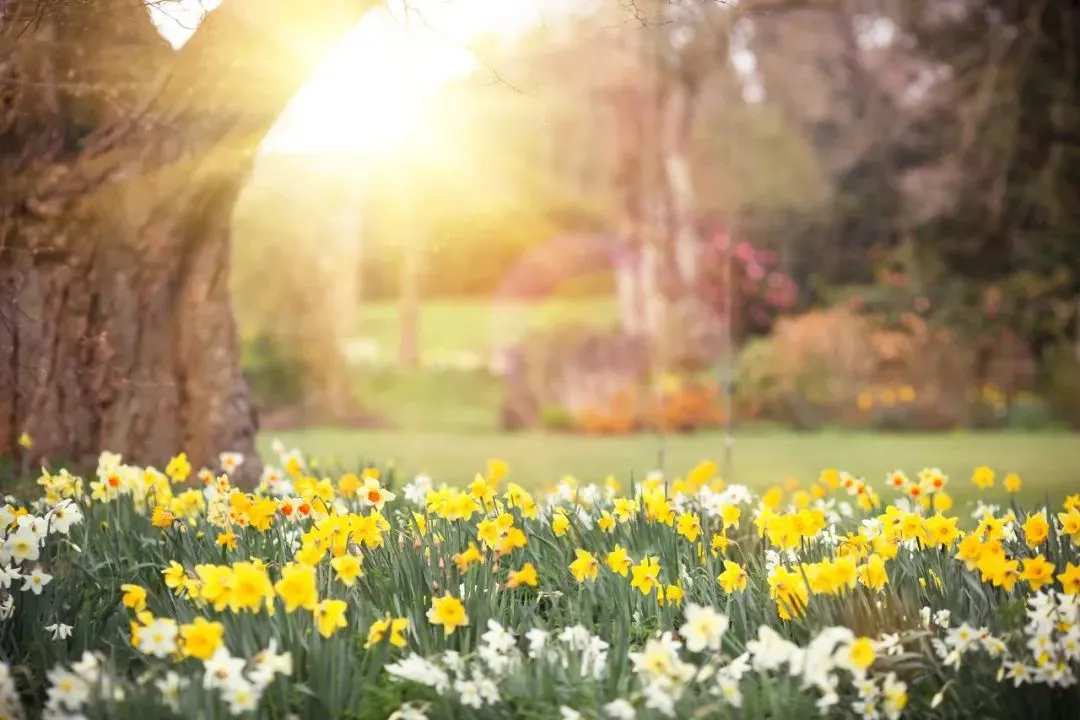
(601, 236)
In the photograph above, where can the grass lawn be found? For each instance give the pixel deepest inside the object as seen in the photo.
(427, 401)
(455, 401)
(448, 326)
(1046, 461)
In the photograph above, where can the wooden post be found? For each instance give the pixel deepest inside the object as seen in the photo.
(728, 362)
(651, 221)
(410, 232)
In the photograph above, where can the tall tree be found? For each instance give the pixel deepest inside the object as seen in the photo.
(1014, 87)
(120, 161)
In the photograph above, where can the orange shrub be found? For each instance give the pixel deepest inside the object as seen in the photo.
(691, 406)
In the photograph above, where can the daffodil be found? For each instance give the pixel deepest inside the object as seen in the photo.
(861, 654)
(525, 576)
(449, 612)
(330, 616)
(585, 567)
(733, 578)
(395, 627)
(1036, 530)
(297, 587)
(347, 568)
(1038, 572)
(646, 575)
(618, 561)
(201, 638)
(134, 597)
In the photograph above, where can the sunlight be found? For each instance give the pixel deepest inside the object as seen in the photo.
(372, 94)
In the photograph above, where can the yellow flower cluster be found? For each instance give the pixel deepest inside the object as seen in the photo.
(317, 554)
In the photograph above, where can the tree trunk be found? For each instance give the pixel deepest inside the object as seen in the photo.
(675, 137)
(120, 162)
(125, 344)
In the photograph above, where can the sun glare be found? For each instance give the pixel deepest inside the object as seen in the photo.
(371, 96)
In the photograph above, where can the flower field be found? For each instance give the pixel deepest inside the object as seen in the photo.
(356, 595)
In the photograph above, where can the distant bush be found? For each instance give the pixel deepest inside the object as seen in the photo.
(1031, 412)
(1061, 385)
(837, 367)
(772, 385)
(274, 373)
(681, 404)
(567, 377)
(557, 418)
(891, 408)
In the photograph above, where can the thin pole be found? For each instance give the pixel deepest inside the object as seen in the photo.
(653, 226)
(649, 257)
(728, 365)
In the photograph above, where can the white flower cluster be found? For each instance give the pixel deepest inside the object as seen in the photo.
(666, 667)
(10, 705)
(498, 650)
(274, 483)
(474, 680)
(712, 503)
(1051, 640)
(665, 675)
(24, 542)
(1052, 637)
(818, 665)
(416, 492)
(563, 495)
(886, 698)
(242, 682)
(71, 689)
(941, 618)
(409, 711)
(288, 458)
(962, 640)
(116, 479)
(22, 537)
(574, 650)
(421, 671)
(780, 558)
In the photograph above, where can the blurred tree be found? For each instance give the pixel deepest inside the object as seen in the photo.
(955, 125)
(1009, 76)
(296, 252)
(120, 161)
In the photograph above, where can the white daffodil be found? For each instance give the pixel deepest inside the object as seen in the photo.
(704, 628)
(158, 639)
(36, 581)
(59, 631)
(170, 688)
(67, 689)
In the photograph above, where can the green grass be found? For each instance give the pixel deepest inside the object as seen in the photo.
(472, 325)
(760, 459)
(455, 401)
(446, 422)
(427, 401)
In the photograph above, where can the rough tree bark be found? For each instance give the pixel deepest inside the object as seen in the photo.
(120, 161)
